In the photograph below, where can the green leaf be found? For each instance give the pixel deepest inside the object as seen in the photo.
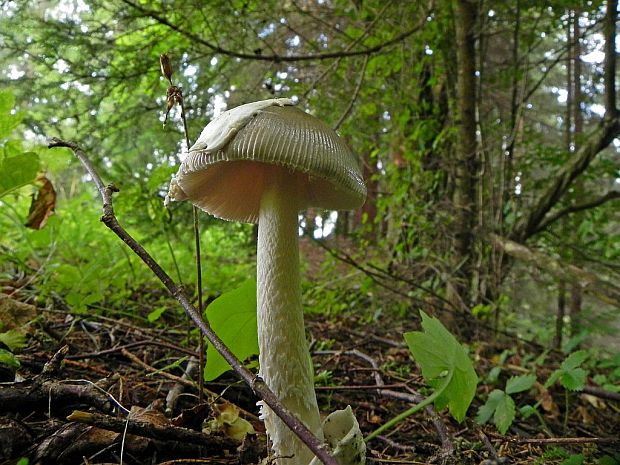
(574, 360)
(504, 413)
(527, 411)
(486, 411)
(439, 354)
(233, 318)
(8, 122)
(571, 376)
(13, 339)
(520, 383)
(17, 171)
(576, 459)
(155, 314)
(8, 359)
(574, 380)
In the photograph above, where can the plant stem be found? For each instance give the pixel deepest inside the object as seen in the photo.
(407, 413)
(285, 364)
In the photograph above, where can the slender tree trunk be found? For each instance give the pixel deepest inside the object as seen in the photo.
(561, 311)
(576, 298)
(464, 192)
(568, 138)
(576, 291)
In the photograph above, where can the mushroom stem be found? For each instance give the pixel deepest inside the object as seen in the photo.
(285, 363)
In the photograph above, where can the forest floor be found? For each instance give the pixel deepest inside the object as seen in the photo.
(99, 367)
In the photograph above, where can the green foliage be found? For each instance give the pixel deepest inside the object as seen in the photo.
(609, 460)
(444, 362)
(233, 318)
(500, 404)
(13, 339)
(8, 120)
(17, 171)
(610, 379)
(18, 168)
(574, 459)
(8, 358)
(572, 377)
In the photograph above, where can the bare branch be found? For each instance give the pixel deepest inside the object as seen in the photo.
(274, 57)
(611, 195)
(356, 92)
(590, 282)
(597, 140)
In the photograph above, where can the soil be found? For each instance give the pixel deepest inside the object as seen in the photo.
(102, 368)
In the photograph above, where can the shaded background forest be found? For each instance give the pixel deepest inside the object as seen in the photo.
(454, 166)
(487, 131)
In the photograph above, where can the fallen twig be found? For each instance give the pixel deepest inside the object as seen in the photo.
(152, 430)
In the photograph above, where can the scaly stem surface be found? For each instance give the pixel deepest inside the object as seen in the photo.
(285, 363)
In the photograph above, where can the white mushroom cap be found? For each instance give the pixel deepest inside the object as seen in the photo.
(237, 153)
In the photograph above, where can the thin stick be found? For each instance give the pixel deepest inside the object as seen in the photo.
(174, 95)
(256, 383)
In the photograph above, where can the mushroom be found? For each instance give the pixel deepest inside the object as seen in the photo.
(265, 162)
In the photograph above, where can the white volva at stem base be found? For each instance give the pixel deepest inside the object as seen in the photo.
(285, 363)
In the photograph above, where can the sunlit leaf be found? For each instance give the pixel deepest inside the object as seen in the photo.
(17, 171)
(233, 317)
(439, 354)
(13, 339)
(8, 359)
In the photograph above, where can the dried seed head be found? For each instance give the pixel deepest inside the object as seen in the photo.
(166, 67)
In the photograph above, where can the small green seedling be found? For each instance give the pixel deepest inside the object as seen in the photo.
(570, 374)
(445, 366)
(500, 404)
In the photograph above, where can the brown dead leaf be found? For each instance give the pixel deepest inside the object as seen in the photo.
(15, 314)
(43, 204)
(546, 400)
(585, 415)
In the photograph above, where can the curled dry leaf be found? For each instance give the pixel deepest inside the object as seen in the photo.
(43, 204)
(166, 67)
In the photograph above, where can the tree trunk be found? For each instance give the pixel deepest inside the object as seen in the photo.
(559, 319)
(464, 192)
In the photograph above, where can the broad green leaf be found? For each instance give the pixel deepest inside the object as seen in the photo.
(486, 411)
(233, 318)
(504, 413)
(574, 380)
(520, 383)
(13, 339)
(18, 171)
(439, 354)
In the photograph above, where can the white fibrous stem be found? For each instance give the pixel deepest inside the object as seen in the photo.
(285, 363)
